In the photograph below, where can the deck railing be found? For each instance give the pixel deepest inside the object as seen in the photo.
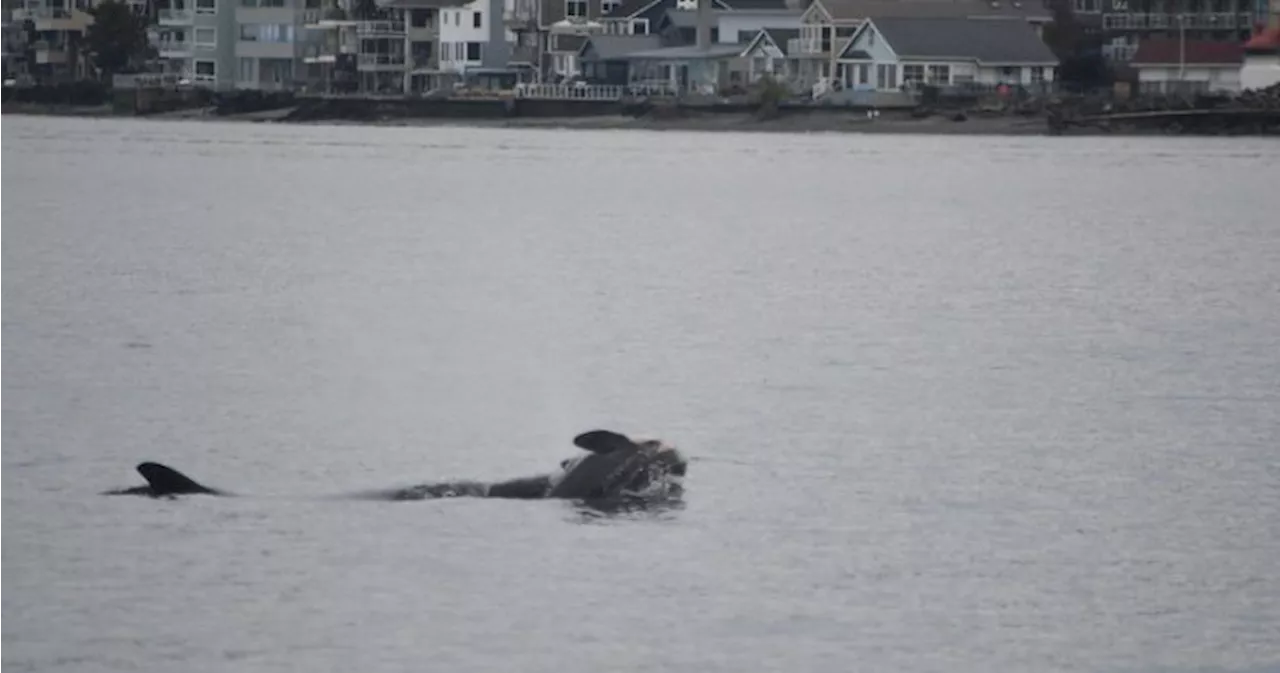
(600, 92)
(1196, 21)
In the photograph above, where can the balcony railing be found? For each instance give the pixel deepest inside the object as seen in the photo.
(808, 46)
(171, 49)
(1119, 53)
(603, 92)
(1197, 21)
(174, 16)
(390, 28)
(380, 61)
(520, 16)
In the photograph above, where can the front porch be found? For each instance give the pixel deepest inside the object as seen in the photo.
(684, 69)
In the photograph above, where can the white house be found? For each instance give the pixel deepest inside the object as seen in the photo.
(1169, 65)
(889, 53)
(827, 26)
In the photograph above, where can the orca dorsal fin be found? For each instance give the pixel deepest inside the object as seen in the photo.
(165, 480)
(603, 441)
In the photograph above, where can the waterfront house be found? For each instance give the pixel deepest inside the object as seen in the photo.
(1168, 65)
(704, 70)
(604, 58)
(891, 53)
(641, 17)
(827, 25)
(678, 27)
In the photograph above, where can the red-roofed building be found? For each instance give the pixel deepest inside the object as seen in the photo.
(1168, 65)
(1261, 67)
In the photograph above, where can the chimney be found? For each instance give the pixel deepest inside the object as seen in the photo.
(704, 25)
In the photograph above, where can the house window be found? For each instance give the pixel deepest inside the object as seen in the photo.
(473, 51)
(477, 19)
(575, 9)
(640, 27)
(206, 68)
(206, 37)
(871, 38)
(607, 6)
(1037, 74)
(249, 32)
(1010, 74)
(271, 3)
(864, 74)
(247, 72)
(459, 51)
(886, 76)
(912, 73)
(446, 51)
(939, 74)
(1087, 6)
(206, 7)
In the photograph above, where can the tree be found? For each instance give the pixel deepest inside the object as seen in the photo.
(117, 38)
(1078, 49)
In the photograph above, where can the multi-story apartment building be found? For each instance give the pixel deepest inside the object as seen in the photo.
(14, 35)
(196, 39)
(377, 48)
(1125, 23)
(474, 37)
(43, 38)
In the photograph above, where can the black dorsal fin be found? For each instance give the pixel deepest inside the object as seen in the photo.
(603, 441)
(165, 480)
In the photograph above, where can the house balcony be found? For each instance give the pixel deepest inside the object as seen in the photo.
(60, 20)
(380, 29)
(172, 49)
(430, 31)
(380, 62)
(1197, 21)
(520, 17)
(326, 19)
(325, 53)
(175, 17)
(809, 47)
(51, 54)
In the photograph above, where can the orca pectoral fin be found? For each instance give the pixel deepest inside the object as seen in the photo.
(164, 480)
(603, 441)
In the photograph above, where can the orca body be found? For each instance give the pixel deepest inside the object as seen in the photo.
(614, 467)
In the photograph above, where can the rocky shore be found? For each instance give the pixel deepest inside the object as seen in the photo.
(792, 121)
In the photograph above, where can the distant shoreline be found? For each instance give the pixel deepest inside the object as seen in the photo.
(791, 122)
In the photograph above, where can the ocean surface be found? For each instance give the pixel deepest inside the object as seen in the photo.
(955, 404)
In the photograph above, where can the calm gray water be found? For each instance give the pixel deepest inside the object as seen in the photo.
(957, 404)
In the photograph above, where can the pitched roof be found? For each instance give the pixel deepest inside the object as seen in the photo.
(420, 4)
(846, 10)
(630, 8)
(688, 52)
(610, 47)
(687, 18)
(571, 42)
(997, 41)
(1266, 41)
(758, 5)
(778, 37)
(1201, 52)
